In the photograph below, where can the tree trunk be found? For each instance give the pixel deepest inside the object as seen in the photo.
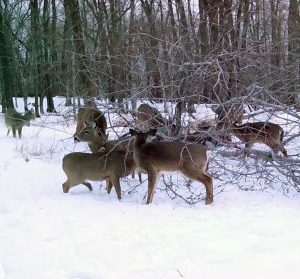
(85, 86)
(6, 60)
(293, 51)
(35, 55)
(153, 73)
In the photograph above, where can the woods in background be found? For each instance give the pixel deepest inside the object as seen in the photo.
(206, 51)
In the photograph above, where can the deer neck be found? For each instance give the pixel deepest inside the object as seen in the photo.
(27, 116)
(94, 146)
(139, 141)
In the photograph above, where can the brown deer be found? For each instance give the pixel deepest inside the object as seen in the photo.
(96, 141)
(260, 132)
(150, 116)
(154, 157)
(15, 121)
(227, 115)
(88, 115)
(110, 165)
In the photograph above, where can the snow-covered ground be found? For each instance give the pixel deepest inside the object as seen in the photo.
(45, 233)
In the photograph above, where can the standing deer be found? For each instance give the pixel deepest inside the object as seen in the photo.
(88, 115)
(260, 132)
(110, 165)
(90, 134)
(15, 121)
(154, 157)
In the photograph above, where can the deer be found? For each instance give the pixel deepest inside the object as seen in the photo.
(15, 121)
(97, 141)
(268, 133)
(110, 165)
(227, 115)
(154, 157)
(89, 115)
(150, 116)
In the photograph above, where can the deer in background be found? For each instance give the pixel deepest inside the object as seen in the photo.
(15, 121)
(155, 157)
(88, 115)
(269, 134)
(110, 165)
(150, 116)
(227, 115)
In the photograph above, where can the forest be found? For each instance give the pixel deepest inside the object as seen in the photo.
(206, 51)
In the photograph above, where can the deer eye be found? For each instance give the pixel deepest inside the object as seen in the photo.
(86, 132)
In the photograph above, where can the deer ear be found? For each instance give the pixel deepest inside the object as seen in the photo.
(132, 132)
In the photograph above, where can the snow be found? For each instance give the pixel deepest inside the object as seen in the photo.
(45, 233)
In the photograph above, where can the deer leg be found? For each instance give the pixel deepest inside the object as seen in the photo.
(283, 150)
(247, 149)
(20, 132)
(204, 178)
(66, 186)
(277, 148)
(140, 176)
(280, 147)
(152, 177)
(88, 185)
(116, 182)
(208, 183)
(109, 186)
(14, 131)
(8, 130)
